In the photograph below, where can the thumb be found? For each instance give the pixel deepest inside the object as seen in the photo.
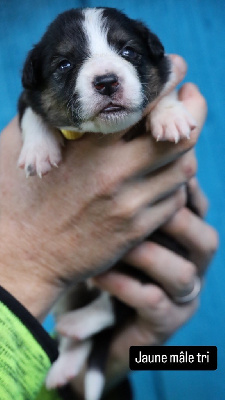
(195, 103)
(178, 72)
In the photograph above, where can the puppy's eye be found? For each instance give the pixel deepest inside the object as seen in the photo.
(130, 54)
(64, 66)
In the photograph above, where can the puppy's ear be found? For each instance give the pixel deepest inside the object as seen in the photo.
(31, 71)
(155, 47)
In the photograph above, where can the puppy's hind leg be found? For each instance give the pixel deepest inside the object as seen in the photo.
(86, 321)
(69, 363)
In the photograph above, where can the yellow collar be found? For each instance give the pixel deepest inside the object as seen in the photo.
(71, 135)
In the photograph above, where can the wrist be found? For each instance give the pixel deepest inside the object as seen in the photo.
(30, 283)
(34, 295)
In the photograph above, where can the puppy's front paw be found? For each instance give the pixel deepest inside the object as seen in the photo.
(171, 122)
(39, 154)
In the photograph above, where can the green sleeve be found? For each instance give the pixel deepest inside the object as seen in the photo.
(26, 352)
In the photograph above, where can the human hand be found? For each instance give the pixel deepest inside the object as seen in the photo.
(84, 216)
(158, 312)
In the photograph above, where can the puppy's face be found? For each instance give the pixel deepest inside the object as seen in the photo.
(95, 70)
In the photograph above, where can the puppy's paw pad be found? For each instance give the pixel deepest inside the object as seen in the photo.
(171, 123)
(30, 170)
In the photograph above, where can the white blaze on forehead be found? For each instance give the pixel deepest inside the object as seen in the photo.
(96, 31)
(104, 59)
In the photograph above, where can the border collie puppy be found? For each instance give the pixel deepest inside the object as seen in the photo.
(94, 70)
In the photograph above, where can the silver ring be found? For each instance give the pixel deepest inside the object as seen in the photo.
(190, 296)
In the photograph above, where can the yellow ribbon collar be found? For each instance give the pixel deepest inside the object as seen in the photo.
(71, 135)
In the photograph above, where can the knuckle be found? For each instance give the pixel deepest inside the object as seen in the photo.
(153, 253)
(154, 298)
(106, 183)
(137, 232)
(210, 244)
(189, 165)
(124, 210)
(213, 240)
(138, 229)
(110, 181)
(147, 253)
(193, 184)
(186, 277)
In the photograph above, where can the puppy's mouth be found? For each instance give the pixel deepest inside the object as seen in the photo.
(112, 109)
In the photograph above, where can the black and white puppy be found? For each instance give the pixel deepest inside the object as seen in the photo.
(94, 70)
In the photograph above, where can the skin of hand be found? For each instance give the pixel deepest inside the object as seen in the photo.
(157, 315)
(81, 218)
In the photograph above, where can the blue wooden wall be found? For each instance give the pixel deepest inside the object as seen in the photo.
(196, 30)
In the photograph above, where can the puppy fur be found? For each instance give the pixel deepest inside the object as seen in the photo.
(94, 70)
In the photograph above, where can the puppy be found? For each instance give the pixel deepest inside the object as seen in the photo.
(94, 70)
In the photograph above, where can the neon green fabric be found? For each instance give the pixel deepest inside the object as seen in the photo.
(23, 362)
(45, 394)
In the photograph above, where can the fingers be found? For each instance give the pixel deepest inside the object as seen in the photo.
(126, 288)
(155, 323)
(177, 278)
(179, 70)
(150, 218)
(196, 197)
(157, 315)
(159, 184)
(199, 238)
(194, 102)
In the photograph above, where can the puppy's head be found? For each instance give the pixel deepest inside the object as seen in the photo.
(95, 70)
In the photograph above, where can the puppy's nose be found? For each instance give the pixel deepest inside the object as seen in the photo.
(106, 84)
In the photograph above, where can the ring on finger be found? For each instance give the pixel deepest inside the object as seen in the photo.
(192, 295)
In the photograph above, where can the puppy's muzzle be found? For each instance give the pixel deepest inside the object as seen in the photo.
(106, 85)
